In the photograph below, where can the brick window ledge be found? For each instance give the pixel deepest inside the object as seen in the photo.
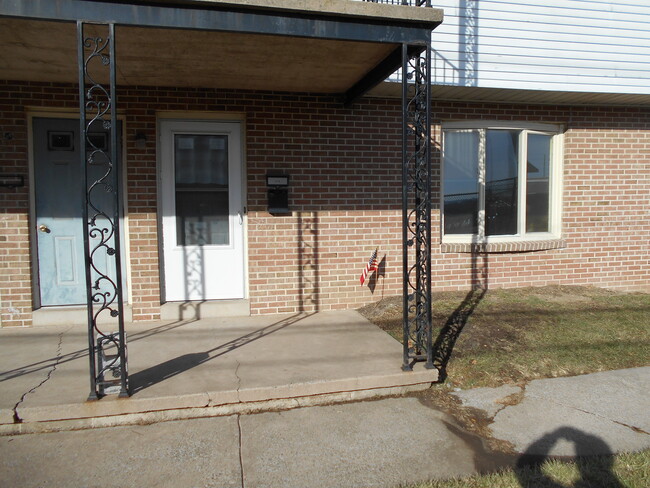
(503, 247)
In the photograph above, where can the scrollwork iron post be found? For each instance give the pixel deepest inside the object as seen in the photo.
(416, 207)
(101, 210)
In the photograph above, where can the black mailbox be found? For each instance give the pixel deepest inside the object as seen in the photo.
(278, 191)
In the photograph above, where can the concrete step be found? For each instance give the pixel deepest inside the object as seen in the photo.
(112, 411)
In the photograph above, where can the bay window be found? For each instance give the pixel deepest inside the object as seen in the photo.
(501, 182)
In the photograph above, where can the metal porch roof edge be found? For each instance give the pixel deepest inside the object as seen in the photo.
(451, 93)
(259, 17)
(365, 10)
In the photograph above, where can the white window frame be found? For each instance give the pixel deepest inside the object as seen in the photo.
(556, 171)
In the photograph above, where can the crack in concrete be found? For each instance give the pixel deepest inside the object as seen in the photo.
(511, 400)
(633, 427)
(241, 455)
(17, 419)
(238, 381)
(638, 430)
(517, 398)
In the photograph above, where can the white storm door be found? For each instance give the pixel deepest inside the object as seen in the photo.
(202, 210)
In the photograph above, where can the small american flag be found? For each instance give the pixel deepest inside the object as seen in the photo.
(371, 266)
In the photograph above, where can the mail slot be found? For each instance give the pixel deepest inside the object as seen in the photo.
(278, 193)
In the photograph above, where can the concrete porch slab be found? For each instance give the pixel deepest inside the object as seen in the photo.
(200, 368)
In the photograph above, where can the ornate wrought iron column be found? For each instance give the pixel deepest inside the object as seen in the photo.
(416, 207)
(101, 213)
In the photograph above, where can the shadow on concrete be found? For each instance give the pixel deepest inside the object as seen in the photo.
(443, 346)
(140, 380)
(47, 364)
(195, 286)
(594, 460)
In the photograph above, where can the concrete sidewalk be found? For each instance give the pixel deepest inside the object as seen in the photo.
(382, 443)
(599, 413)
(200, 368)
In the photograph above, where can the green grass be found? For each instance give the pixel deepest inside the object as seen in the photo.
(622, 470)
(511, 336)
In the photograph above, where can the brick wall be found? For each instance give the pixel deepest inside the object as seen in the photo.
(15, 264)
(345, 196)
(606, 209)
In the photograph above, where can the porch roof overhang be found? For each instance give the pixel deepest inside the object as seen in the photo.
(319, 46)
(391, 89)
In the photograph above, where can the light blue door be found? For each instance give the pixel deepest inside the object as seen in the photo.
(59, 192)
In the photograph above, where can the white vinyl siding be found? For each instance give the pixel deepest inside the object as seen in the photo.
(567, 45)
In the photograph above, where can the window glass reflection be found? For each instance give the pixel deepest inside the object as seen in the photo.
(201, 177)
(538, 160)
(501, 173)
(461, 182)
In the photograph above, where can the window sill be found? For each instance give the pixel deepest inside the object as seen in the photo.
(503, 247)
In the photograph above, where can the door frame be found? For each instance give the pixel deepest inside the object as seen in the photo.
(61, 113)
(205, 117)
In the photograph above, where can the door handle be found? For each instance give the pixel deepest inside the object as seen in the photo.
(44, 228)
(241, 218)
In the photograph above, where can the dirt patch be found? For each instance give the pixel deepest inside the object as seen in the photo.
(451, 309)
(471, 419)
(512, 400)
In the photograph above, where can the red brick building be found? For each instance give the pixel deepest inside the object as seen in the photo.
(344, 168)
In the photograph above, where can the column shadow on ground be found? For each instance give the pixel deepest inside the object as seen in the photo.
(444, 344)
(145, 378)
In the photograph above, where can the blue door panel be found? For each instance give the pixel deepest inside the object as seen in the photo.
(59, 193)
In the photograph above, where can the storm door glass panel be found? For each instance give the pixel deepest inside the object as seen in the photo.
(461, 181)
(501, 173)
(201, 173)
(538, 161)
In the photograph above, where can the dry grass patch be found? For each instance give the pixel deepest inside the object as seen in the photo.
(512, 336)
